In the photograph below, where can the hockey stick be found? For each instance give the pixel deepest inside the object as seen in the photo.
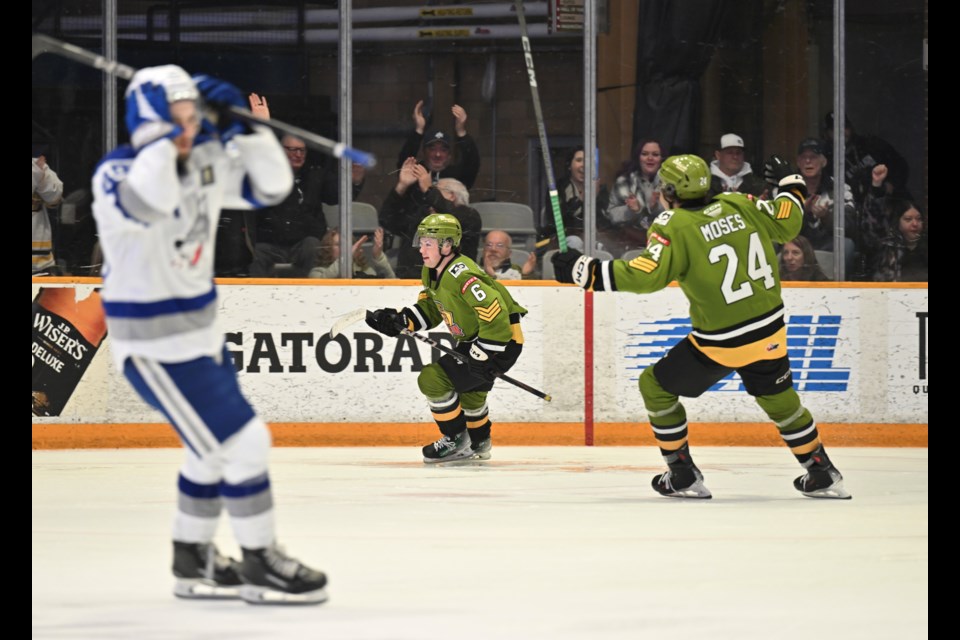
(541, 129)
(464, 358)
(346, 320)
(46, 44)
(356, 315)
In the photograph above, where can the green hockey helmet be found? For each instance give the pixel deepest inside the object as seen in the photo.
(685, 177)
(441, 226)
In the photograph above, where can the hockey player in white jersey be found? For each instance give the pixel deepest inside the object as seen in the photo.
(156, 203)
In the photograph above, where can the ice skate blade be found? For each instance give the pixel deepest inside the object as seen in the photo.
(836, 491)
(253, 594)
(201, 589)
(463, 456)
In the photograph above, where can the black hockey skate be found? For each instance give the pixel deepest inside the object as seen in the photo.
(272, 577)
(681, 482)
(822, 479)
(203, 573)
(481, 450)
(446, 448)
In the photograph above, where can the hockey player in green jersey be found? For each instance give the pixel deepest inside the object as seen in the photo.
(482, 317)
(720, 251)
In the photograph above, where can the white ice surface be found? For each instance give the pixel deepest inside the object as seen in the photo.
(551, 543)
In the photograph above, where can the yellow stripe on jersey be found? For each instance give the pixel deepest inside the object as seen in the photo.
(516, 334)
(487, 314)
(643, 264)
(769, 348)
(783, 210)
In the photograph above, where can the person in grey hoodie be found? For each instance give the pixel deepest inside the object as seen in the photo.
(731, 172)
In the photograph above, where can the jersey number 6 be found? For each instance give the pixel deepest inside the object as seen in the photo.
(478, 292)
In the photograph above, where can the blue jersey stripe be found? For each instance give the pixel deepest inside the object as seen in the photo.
(159, 307)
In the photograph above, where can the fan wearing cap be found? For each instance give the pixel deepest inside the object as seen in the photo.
(731, 172)
(416, 195)
(818, 209)
(439, 156)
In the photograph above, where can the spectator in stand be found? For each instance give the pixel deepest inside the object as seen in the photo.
(873, 227)
(570, 188)
(731, 172)
(798, 262)
(438, 152)
(47, 192)
(863, 153)
(78, 234)
(328, 261)
(497, 258)
(818, 209)
(635, 199)
(904, 253)
(412, 199)
(291, 231)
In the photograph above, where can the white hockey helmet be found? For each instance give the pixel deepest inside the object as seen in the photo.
(176, 82)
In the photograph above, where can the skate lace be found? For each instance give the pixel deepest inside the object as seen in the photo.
(215, 560)
(211, 552)
(665, 480)
(281, 563)
(443, 443)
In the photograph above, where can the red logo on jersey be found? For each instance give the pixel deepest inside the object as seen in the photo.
(773, 346)
(466, 284)
(659, 238)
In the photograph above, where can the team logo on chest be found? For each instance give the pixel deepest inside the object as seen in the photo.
(206, 175)
(448, 319)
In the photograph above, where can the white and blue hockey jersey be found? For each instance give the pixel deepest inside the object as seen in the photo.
(157, 227)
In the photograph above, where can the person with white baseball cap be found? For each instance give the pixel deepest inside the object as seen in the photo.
(731, 172)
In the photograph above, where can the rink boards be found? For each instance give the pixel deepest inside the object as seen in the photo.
(859, 354)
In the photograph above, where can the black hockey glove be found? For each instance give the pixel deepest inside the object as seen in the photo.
(389, 322)
(778, 173)
(482, 364)
(775, 169)
(574, 267)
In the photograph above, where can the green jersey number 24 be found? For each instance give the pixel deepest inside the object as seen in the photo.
(757, 269)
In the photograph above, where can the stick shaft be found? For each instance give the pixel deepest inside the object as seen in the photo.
(346, 320)
(541, 128)
(326, 145)
(46, 44)
(463, 358)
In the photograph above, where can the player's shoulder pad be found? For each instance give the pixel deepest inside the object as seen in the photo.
(663, 218)
(461, 266)
(123, 153)
(114, 166)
